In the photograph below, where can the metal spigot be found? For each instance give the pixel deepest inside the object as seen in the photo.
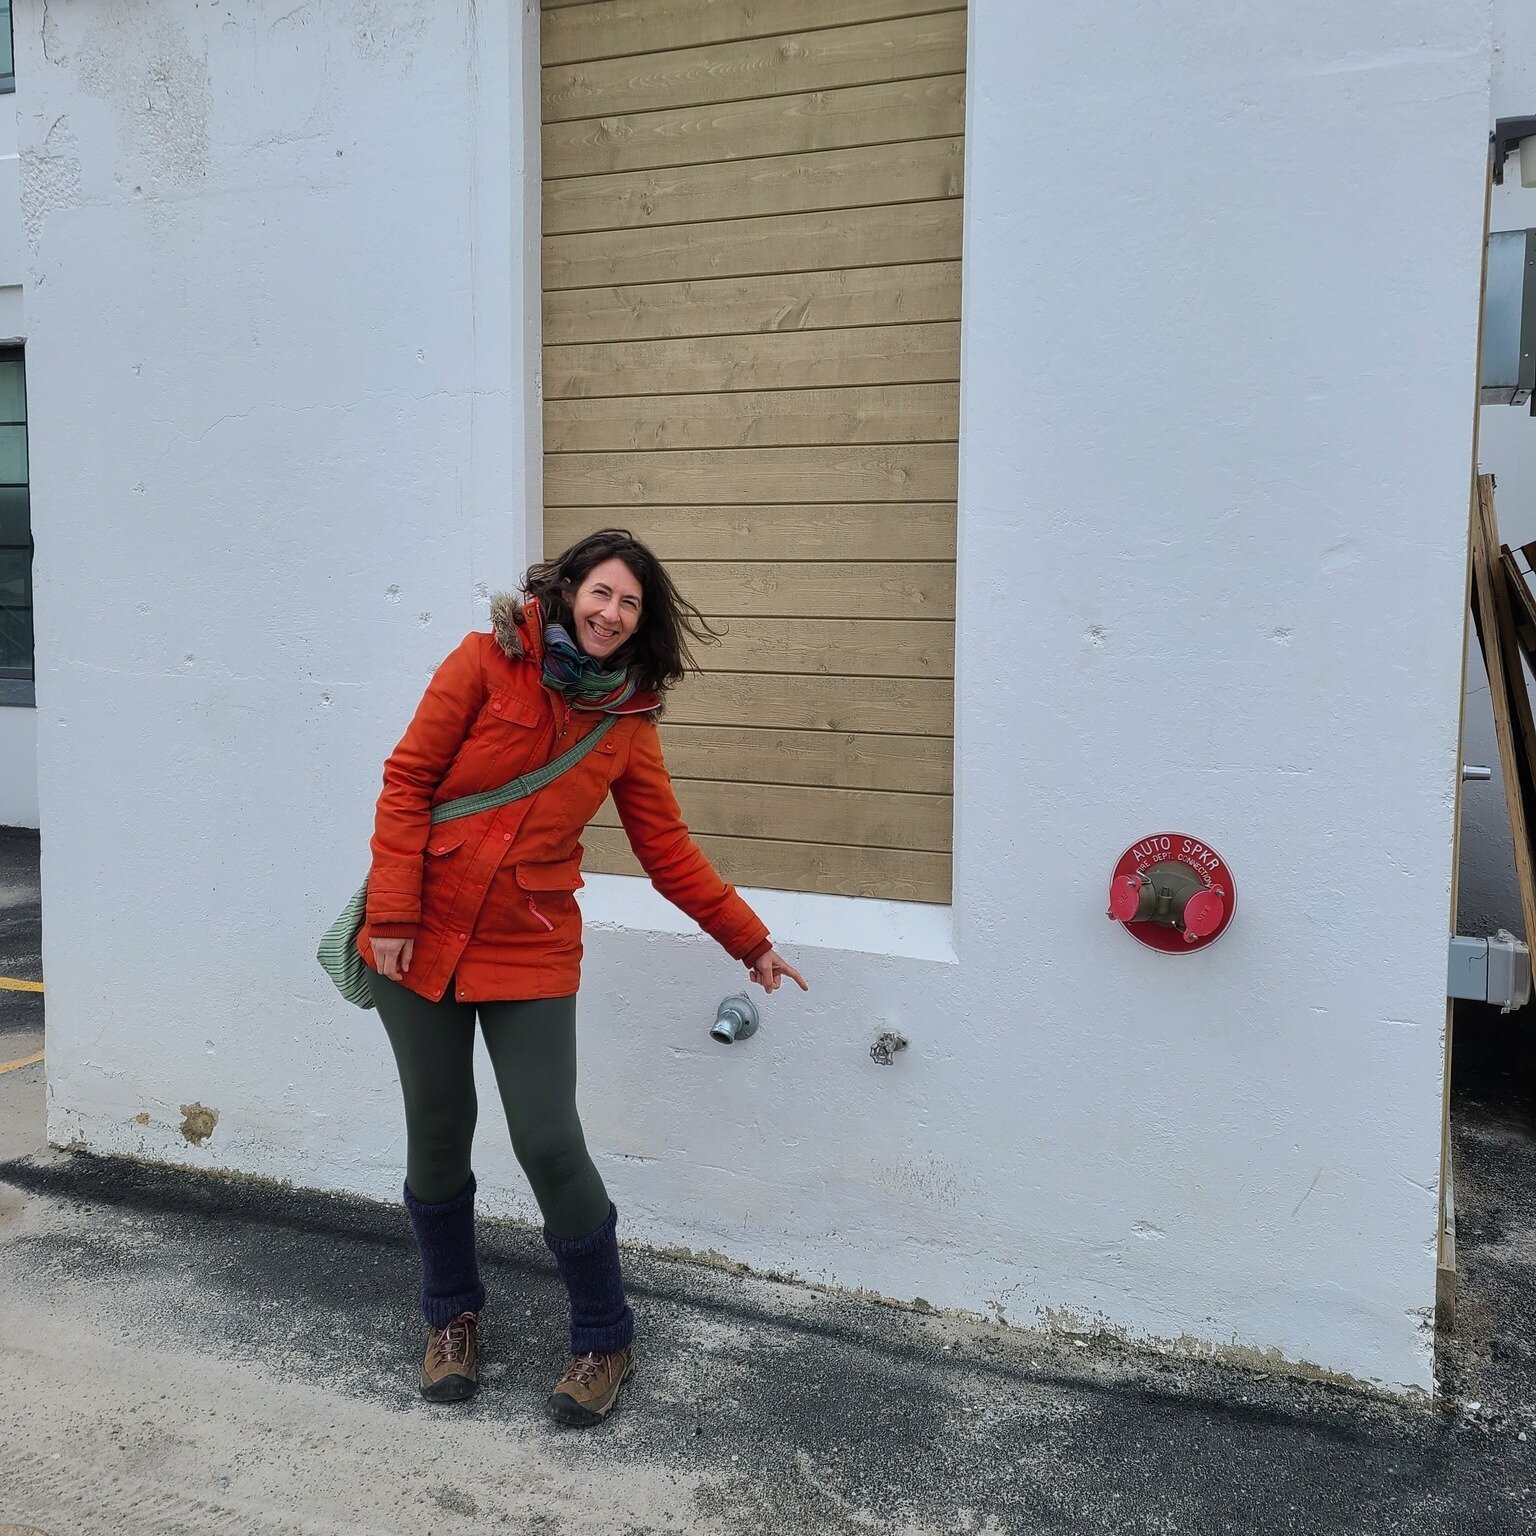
(735, 1019)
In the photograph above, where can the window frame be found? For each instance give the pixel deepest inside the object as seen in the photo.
(18, 686)
(8, 79)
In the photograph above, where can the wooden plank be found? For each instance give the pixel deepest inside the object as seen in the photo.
(1445, 1262)
(1503, 673)
(855, 531)
(749, 189)
(845, 759)
(1523, 597)
(736, 306)
(858, 472)
(1519, 695)
(864, 818)
(856, 413)
(898, 706)
(791, 242)
(876, 589)
(1522, 603)
(753, 67)
(1520, 703)
(837, 647)
(1447, 1256)
(612, 28)
(893, 112)
(894, 875)
(869, 354)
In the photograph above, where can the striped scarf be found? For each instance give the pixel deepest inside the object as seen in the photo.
(580, 678)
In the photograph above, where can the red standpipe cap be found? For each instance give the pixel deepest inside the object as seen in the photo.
(1124, 898)
(1203, 913)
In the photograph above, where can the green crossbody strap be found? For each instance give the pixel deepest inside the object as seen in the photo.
(529, 783)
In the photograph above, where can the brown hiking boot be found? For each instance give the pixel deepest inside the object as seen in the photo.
(585, 1395)
(448, 1373)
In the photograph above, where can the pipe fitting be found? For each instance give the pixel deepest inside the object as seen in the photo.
(735, 1019)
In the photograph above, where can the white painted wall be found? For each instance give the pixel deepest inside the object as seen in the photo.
(1489, 897)
(1199, 494)
(18, 766)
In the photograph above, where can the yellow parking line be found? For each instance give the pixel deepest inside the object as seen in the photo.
(20, 1062)
(11, 984)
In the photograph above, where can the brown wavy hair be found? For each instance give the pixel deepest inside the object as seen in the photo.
(659, 650)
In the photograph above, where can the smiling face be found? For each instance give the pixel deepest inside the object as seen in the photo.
(606, 608)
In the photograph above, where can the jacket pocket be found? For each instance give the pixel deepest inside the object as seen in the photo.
(515, 708)
(564, 876)
(439, 843)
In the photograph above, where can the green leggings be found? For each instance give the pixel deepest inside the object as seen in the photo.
(532, 1047)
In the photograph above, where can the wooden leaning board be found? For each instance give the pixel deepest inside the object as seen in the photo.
(1504, 611)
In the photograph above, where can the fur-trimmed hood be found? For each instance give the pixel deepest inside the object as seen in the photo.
(509, 614)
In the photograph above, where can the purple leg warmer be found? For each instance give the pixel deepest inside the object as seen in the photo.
(445, 1238)
(600, 1317)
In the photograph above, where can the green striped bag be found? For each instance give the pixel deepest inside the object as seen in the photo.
(338, 954)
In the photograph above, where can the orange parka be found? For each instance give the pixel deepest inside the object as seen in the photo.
(490, 899)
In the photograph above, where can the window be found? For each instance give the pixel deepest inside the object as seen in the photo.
(16, 676)
(7, 49)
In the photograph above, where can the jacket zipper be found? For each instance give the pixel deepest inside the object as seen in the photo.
(532, 907)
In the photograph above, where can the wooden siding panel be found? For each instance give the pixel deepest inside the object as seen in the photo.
(751, 254)
(857, 472)
(878, 589)
(893, 874)
(899, 706)
(606, 29)
(899, 110)
(840, 759)
(792, 242)
(736, 306)
(818, 60)
(801, 418)
(863, 818)
(835, 647)
(871, 354)
(857, 531)
(749, 189)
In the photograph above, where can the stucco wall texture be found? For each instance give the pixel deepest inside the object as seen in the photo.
(1219, 325)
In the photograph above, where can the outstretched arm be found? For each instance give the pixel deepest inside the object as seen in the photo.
(653, 822)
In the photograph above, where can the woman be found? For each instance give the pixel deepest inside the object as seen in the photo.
(478, 916)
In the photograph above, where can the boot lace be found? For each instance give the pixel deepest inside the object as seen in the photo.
(450, 1343)
(585, 1369)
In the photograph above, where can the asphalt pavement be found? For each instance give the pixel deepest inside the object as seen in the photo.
(21, 1011)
